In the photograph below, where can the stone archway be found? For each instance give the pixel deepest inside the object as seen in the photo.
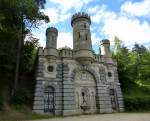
(85, 92)
(49, 106)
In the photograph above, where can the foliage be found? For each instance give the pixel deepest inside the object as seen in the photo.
(17, 18)
(22, 97)
(133, 65)
(134, 75)
(29, 52)
(137, 103)
(17, 15)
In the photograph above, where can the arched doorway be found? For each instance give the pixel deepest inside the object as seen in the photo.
(49, 105)
(85, 92)
(113, 99)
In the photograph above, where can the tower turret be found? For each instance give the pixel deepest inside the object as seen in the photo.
(81, 31)
(51, 37)
(82, 37)
(105, 48)
(51, 42)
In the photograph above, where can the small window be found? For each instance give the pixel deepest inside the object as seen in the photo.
(83, 94)
(86, 36)
(84, 25)
(50, 68)
(79, 34)
(112, 92)
(109, 74)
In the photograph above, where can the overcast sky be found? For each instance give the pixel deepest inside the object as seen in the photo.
(127, 19)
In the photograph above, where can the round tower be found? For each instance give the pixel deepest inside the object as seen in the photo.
(105, 48)
(51, 37)
(82, 37)
(51, 43)
(81, 31)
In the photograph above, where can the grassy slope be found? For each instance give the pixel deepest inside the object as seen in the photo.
(14, 115)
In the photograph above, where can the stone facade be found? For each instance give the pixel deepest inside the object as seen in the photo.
(76, 81)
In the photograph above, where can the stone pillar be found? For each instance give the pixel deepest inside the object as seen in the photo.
(104, 105)
(38, 104)
(120, 98)
(68, 92)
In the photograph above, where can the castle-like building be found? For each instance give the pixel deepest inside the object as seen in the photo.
(76, 81)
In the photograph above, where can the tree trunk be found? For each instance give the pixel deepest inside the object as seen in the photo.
(17, 66)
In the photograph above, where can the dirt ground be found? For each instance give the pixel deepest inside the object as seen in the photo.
(105, 117)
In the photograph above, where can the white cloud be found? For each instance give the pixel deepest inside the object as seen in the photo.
(63, 17)
(113, 24)
(41, 36)
(64, 39)
(102, 14)
(56, 15)
(93, 9)
(141, 8)
(128, 30)
(52, 14)
(65, 5)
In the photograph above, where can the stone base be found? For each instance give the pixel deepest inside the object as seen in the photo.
(68, 112)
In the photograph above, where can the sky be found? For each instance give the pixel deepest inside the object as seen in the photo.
(129, 20)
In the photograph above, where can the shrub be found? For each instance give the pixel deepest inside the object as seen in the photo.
(137, 103)
(22, 97)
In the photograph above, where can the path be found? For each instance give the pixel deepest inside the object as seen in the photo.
(105, 117)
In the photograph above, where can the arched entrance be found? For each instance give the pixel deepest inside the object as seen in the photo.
(85, 92)
(49, 105)
(113, 99)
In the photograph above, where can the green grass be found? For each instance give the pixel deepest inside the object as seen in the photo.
(19, 116)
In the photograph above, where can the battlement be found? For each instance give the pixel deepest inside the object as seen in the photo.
(51, 29)
(105, 41)
(80, 15)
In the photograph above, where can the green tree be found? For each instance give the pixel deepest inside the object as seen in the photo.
(121, 55)
(19, 17)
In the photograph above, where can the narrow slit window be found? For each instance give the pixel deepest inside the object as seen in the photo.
(86, 37)
(79, 34)
(85, 25)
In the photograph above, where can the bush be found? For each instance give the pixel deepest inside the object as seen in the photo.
(137, 103)
(22, 97)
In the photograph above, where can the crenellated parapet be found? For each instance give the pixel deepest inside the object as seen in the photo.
(80, 15)
(66, 53)
(51, 29)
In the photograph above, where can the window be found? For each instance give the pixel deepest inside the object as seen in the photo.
(49, 99)
(109, 74)
(79, 34)
(84, 25)
(112, 92)
(86, 36)
(50, 68)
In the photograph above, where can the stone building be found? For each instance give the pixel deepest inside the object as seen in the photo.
(76, 81)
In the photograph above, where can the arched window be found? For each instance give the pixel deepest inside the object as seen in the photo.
(113, 99)
(49, 99)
